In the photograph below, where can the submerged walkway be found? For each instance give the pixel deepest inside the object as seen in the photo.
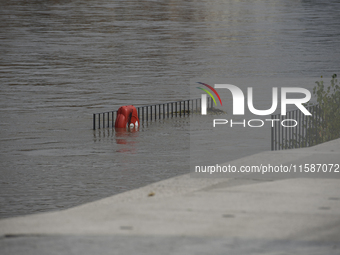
(250, 214)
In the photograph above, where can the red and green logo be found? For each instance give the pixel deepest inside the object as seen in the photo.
(209, 93)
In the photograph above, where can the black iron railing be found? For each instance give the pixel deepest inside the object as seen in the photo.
(296, 130)
(152, 112)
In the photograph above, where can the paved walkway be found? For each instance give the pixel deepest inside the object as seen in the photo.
(247, 214)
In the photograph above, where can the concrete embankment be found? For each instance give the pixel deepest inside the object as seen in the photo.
(249, 214)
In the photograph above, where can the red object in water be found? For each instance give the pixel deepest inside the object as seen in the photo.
(127, 116)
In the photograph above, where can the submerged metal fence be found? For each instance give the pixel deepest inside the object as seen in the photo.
(296, 130)
(152, 112)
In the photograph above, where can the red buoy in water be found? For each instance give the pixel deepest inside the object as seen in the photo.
(127, 117)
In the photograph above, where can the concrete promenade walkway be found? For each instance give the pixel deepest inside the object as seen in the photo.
(248, 214)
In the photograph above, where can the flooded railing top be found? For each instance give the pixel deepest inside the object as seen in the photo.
(152, 112)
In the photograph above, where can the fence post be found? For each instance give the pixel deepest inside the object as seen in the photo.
(321, 122)
(309, 125)
(150, 112)
(163, 111)
(147, 113)
(184, 108)
(167, 108)
(290, 131)
(272, 134)
(299, 128)
(143, 114)
(103, 120)
(304, 133)
(277, 141)
(172, 109)
(180, 108)
(176, 109)
(316, 123)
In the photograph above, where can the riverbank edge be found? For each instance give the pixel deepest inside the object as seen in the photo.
(186, 206)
